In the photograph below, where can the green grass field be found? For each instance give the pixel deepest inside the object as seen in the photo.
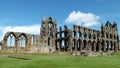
(60, 61)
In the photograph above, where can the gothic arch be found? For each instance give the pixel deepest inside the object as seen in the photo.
(32, 40)
(23, 40)
(8, 34)
(9, 40)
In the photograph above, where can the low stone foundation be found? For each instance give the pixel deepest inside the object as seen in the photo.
(92, 53)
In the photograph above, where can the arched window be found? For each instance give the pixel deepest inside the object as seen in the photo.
(48, 41)
(73, 44)
(106, 35)
(114, 37)
(58, 35)
(85, 35)
(22, 41)
(89, 36)
(72, 34)
(0, 47)
(110, 36)
(62, 34)
(32, 40)
(78, 34)
(94, 37)
(11, 40)
(63, 46)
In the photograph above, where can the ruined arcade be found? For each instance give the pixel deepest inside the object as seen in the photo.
(76, 41)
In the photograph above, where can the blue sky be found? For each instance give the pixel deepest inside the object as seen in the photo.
(28, 13)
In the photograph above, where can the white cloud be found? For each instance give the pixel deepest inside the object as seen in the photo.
(83, 19)
(31, 29)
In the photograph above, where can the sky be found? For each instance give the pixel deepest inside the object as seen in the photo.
(26, 15)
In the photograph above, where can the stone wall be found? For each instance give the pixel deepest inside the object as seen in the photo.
(76, 41)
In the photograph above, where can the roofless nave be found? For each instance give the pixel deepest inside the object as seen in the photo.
(77, 41)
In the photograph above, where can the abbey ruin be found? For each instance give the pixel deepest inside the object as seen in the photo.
(76, 41)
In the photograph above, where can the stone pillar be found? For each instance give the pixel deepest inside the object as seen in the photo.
(70, 41)
(104, 46)
(108, 46)
(75, 43)
(116, 46)
(60, 37)
(65, 36)
(17, 46)
(4, 46)
(112, 46)
(27, 46)
(99, 46)
(94, 45)
(88, 47)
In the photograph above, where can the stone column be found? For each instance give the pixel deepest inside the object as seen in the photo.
(116, 46)
(75, 43)
(65, 36)
(70, 41)
(108, 46)
(27, 46)
(4, 46)
(88, 47)
(112, 46)
(60, 38)
(17, 46)
(99, 46)
(94, 45)
(104, 46)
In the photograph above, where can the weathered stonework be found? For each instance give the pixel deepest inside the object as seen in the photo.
(77, 41)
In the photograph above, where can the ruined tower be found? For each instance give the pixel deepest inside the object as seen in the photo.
(48, 34)
(110, 36)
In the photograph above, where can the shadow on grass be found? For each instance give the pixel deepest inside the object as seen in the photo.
(19, 57)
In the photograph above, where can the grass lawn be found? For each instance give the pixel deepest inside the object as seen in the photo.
(60, 61)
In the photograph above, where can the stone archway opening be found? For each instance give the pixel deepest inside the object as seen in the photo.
(84, 44)
(98, 46)
(73, 44)
(22, 42)
(111, 45)
(111, 36)
(107, 45)
(0, 47)
(11, 42)
(103, 45)
(48, 41)
(32, 40)
(63, 46)
(78, 45)
(114, 47)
